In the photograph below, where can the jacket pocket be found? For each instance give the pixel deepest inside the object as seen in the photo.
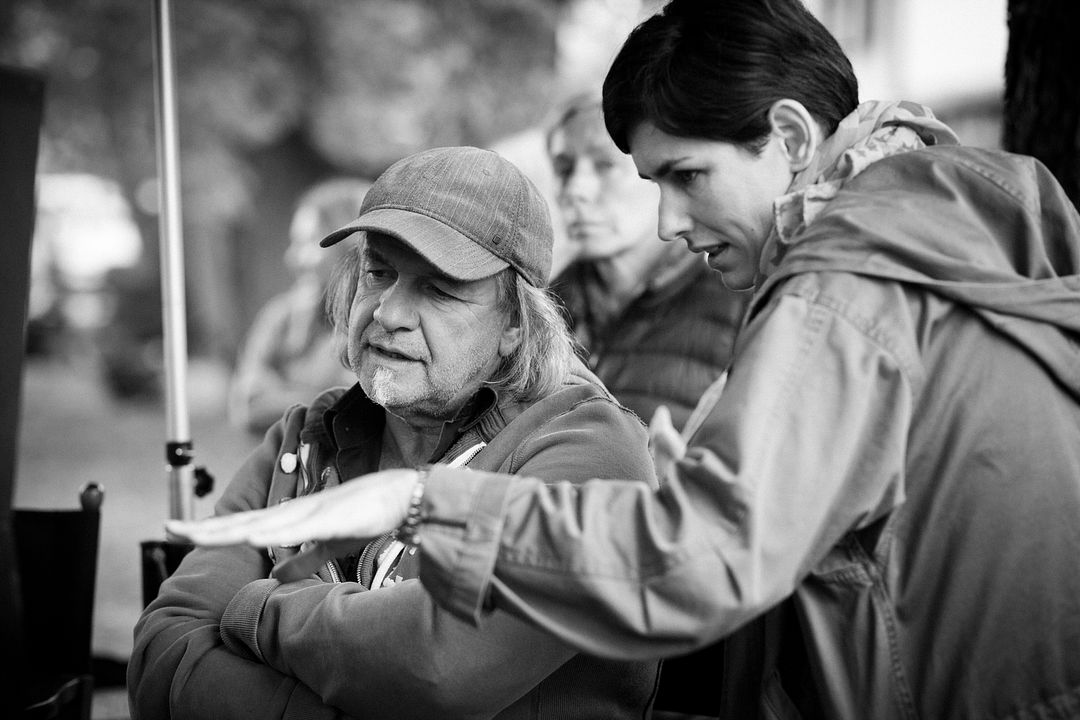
(852, 635)
(775, 703)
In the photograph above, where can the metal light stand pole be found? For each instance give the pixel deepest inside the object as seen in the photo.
(160, 558)
(178, 449)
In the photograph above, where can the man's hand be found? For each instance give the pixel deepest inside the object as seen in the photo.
(312, 556)
(358, 510)
(665, 443)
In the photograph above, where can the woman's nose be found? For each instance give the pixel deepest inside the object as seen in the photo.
(673, 221)
(581, 184)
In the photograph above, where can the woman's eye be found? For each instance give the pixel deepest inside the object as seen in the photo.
(684, 177)
(562, 169)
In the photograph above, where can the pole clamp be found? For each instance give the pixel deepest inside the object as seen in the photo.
(178, 454)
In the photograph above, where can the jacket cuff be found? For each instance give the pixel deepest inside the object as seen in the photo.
(239, 628)
(460, 537)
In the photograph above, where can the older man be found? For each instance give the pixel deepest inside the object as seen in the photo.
(461, 358)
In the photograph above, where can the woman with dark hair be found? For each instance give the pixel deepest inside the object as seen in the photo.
(879, 511)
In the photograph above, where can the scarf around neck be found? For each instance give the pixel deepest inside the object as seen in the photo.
(993, 232)
(874, 130)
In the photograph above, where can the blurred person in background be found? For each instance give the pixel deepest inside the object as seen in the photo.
(462, 358)
(287, 356)
(879, 511)
(656, 323)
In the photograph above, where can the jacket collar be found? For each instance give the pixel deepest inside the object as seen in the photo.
(354, 420)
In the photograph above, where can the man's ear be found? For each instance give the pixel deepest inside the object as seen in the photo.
(511, 338)
(800, 133)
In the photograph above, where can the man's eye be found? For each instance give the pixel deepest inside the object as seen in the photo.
(440, 293)
(374, 276)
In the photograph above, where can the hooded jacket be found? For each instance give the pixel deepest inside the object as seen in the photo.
(968, 610)
(880, 510)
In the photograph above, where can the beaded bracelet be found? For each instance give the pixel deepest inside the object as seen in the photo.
(410, 526)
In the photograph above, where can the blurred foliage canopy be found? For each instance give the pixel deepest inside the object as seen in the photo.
(361, 81)
(273, 95)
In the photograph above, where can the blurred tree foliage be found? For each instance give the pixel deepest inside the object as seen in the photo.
(273, 95)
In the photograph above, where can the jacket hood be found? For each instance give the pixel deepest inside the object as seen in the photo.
(990, 230)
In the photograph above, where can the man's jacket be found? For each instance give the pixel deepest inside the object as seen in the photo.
(222, 641)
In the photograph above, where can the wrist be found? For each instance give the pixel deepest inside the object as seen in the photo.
(408, 531)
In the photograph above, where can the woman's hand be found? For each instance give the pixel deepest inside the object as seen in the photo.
(357, 510)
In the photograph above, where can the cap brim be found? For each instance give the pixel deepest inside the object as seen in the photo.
(441, 245)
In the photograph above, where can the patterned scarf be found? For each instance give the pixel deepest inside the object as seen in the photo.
(873, 131)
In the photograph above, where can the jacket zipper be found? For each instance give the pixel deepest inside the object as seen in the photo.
(461, 460)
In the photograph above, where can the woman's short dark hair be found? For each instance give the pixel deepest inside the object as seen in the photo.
(711, 69)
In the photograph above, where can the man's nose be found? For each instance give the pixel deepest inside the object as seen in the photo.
(396, 309)
(673, 220)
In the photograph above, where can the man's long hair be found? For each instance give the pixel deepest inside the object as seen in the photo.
(536, 368)
(544, 356)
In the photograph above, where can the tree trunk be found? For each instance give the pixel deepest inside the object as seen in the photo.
(1042, 89)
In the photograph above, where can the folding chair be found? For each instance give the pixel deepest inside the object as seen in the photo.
(57, 559)
(689, 686)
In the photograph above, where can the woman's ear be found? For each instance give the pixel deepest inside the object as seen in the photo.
(800, 133)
